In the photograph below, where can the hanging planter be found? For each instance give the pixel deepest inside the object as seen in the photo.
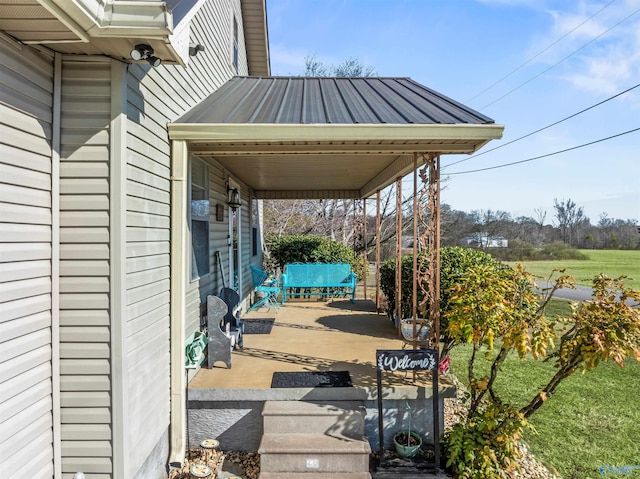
(422, 328)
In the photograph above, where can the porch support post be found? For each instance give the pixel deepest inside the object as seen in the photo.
(178, 285)
(378, 251)
(431, 176)
(364, 241)
(398, 253)
(414, 299)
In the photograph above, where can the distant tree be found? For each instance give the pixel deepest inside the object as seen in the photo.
(350, 67)
(568, 216)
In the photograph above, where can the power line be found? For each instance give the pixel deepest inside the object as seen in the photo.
(547, 155)
(539, 53)
(544, 128)
(560, 61)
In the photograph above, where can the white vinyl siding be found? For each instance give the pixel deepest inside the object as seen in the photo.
(85, 331)
(26, 256)
(154, 98)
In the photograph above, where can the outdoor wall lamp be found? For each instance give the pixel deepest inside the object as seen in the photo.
(233, 198)
(143, 51)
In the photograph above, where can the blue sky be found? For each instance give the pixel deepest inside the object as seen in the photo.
(556, 60)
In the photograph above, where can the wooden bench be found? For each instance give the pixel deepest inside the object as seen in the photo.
(320, 279)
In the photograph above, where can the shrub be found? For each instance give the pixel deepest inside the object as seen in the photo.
(519, 250)
(314, 249)
(499, 317)
(454, 262)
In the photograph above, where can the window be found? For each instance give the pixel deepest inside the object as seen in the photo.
(199, 213)
(254, 227)
(235, 44)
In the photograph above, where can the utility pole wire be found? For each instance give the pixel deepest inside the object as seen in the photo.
(547, 155)
(539, 53)
(544, 128)
(562, 60)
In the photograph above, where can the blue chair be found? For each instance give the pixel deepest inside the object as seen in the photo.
(266, 288)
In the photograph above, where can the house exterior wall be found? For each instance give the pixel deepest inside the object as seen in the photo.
(27, 263)
(84, 252)
(155, 97)
(85, 268)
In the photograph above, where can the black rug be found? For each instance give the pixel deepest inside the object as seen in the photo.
(258, 326)
(312, 379)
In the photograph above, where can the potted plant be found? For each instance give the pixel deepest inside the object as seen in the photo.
(407, 442)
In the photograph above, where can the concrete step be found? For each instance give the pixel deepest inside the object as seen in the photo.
(313, 453)
(329, 418)
(317, 475)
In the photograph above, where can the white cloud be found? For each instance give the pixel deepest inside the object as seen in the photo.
(602, 55)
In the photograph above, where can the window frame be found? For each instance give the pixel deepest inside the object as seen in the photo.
(194, 273)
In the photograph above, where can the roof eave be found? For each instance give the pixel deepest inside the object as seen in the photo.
(254, 133)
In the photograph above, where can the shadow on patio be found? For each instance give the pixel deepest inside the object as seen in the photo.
(311, 335)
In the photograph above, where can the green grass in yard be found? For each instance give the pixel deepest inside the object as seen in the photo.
(613, 263)
(593, 419)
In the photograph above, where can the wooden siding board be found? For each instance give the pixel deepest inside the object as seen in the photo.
(22, 159)
(85, 318)
(23, 400)
(81, 186)
(12, 213)
(84, 334)
(40, 426)
(24, 233)
(22, 363)
(22, 326)
(84, 383)
(24, 269)
(89, 432)
(24, 196)
(21, 344)
(77, 399)
(84, 350)
(81, 251)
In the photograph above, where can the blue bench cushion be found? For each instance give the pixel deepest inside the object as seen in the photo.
(318, 276)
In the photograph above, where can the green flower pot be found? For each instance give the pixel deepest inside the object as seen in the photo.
(405, 449)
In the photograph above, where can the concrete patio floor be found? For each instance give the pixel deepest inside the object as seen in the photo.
(312, 335)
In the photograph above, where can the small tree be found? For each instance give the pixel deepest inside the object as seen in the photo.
(496, 314)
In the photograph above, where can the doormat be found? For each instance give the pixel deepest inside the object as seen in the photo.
(258, 326)
(312, 379)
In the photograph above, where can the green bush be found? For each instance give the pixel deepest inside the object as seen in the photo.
(454, 262)
(519, 250)
(314, 249)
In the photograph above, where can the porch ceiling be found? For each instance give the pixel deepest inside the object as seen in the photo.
(294, 137)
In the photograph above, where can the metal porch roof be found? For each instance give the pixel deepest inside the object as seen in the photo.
(300, 137)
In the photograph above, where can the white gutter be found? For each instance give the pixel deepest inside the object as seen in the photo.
(178, 285)
(274, 132)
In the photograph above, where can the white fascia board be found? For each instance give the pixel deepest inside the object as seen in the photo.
(113, 18)
(265, 133)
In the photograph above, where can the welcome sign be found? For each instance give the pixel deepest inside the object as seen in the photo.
(407, 360)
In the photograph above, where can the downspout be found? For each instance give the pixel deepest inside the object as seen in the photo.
(178, 285)
(55, 265)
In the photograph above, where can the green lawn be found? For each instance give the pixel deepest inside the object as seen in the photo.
(613, 263)
(591, 421)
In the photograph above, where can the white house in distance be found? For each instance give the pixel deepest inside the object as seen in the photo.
(484, 240)
(85, 216)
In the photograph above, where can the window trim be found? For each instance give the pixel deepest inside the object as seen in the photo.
(193, 272)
